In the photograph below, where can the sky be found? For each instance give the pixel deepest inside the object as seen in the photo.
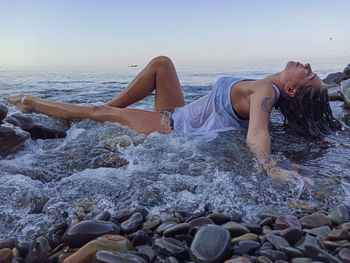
(120, 32)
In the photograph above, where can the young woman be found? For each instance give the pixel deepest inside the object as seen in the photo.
(232, 104)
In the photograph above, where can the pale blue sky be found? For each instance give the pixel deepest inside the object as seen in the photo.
(107, 33)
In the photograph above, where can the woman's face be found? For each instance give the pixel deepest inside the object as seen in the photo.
(301, 75)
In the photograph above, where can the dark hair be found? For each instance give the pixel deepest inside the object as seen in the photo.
(308, 113)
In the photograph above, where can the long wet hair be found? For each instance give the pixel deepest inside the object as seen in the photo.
(308, 113)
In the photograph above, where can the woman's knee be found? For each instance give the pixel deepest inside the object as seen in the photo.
(161, 62)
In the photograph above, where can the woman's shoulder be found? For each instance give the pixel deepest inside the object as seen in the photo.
(266, 87)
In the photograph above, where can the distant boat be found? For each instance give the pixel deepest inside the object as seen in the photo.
(132, 65)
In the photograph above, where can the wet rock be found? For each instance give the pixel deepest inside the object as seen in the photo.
(286, 221)
(263, 259)
(11, 137)
(140, 237)
(291, 235)
(339, 214)
(151, 222)
(104, 216)
(273, 254)
(178, 229)
(3, 112)
(85, 231)
(254, 228)
(23, 247)
(334, 79)
(8, 243)
(270, 212)
(171, 260)
(162, 227)
(319, 231)
(292, 252)
(301, 260)
(169, 246)
(134, 222)
(39, 127)
(245, 247)
(110, 161)
(277, 241)
(338, 234)
(315, 220)
(249, 236)
(235, 229)
(38, 251)
(347, 70)
(238, 260)
(86, 253)
(6, 255)
(210, 244)
(147, 251)
(267, 221)
(265, 230)
(201, 221)
(117, 257)
(344, 255)
(219, 219)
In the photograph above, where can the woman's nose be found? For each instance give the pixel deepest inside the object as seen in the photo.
(307, 65)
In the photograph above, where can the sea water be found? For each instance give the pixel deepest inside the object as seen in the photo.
(42, 182)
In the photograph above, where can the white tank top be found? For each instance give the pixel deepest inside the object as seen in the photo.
(212, 113)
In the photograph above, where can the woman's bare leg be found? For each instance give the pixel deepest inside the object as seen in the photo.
(159, 75)
(139, 120)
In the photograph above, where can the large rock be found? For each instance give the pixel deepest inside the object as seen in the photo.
(334, 79)
(347, 70)
(11, 137)
(88, 230)
(39, 127)
(3, 112)
(210, 244)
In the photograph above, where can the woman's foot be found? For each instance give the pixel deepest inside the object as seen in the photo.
(21, 101)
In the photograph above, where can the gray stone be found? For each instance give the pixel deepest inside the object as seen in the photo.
(162, 227)
(171, 260)
(322, 231)
(39, 127)
(39, 251)
(339, 214)
(219, 219)
(151, 222)
(315, 220)
(201, 221)
(334, 79)
(245, 247)
(3, 112)
(291, 235)
(134, 222)
(117, 257)
(140, 237)
(169, 246)
(210, 244)
(287, 221)
(11, 137)
(277, 242)
(301, 260)
(292, 252)
(87, 230)
(8, 243)
(104, 216)
(148, 251)
(347, 70)
(263, 259)
(344, 255)
(273, 254)
(177, 230)
(254, 228)
(235, 229)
